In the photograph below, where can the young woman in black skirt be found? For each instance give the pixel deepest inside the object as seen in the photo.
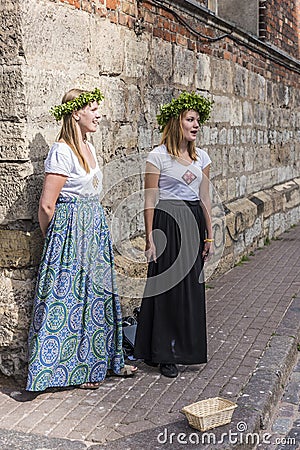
(172, 321)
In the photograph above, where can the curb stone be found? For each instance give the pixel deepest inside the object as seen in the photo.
(15, 440)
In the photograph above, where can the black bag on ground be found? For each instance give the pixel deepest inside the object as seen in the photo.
(129, 325)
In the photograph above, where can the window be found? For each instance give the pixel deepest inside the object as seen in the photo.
(246, 15)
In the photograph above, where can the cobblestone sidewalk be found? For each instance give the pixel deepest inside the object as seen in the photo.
(245, 310)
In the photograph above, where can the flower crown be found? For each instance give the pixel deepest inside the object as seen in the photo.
(77, 103)
(185, 102)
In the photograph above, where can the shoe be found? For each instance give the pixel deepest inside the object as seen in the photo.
(150, 363)
(125, 372)
(168, 370)
(24, 396)
(89, 385)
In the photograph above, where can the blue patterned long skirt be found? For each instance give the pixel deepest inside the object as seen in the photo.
(76, 330)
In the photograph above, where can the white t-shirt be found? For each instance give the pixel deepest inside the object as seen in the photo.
(62, 160)
(176, 180)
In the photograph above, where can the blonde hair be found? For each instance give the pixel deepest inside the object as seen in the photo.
(173, 136)
(68, 131)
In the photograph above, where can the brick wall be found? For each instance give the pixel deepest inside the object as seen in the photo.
(280, 20)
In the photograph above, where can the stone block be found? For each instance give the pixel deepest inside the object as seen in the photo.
(249, 156)
(232, 188)
(133, 104)
(184, 67)
(260, 137)
(161, 61)
(19, 192)
(239, 248)
(267, 201)
(230, 136)
(107, 53)
(260, 115)
(231, 234)
(222, 138)
(236, 113)
(20, 249)
(214, 136)
(284, 173)
(116, 94)
(241, 81)
(260, 180)
(269, 92)
(59, 26)
(11, 22)
(220, 186)
(252, 233)
(278, 201)
(242, 186)
(153, 97)
(222, 109)
(245, 211)
(297, 181)
(203, 72)
(103, 140)
(257, 87)
(144, 139)
(12, 100)
(290, 194)
(236, 159)
(125, 137)
(12, 141)
(16, 298)
(247, 113)
(205, 135)
(135, 52)
(217, 163)
(222, 77)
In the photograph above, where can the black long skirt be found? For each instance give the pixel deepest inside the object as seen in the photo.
(172, 321)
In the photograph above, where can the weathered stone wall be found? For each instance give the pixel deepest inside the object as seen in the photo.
(252, 137)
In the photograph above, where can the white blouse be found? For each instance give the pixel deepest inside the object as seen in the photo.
(62, 160)
(176, 180)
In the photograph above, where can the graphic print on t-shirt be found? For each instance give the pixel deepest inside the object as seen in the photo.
(188, 177)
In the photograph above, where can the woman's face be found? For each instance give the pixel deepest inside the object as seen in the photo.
(190, 125)
(88, 118)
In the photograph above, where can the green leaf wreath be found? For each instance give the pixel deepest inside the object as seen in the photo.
(185, 102)
(86, 98)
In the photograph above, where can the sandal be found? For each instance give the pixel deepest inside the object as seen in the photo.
(90, 385)
(125, 372)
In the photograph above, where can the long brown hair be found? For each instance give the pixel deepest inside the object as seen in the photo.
(173, 136)
(68, 131)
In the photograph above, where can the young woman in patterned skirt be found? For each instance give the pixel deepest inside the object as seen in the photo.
(75, 337)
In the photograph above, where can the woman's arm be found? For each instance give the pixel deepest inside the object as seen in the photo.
(53, 184)
(151, 191)
(206, 207)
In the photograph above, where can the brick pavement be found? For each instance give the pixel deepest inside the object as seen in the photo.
(244, 307)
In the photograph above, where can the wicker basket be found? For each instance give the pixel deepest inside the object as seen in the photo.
(209, 413)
